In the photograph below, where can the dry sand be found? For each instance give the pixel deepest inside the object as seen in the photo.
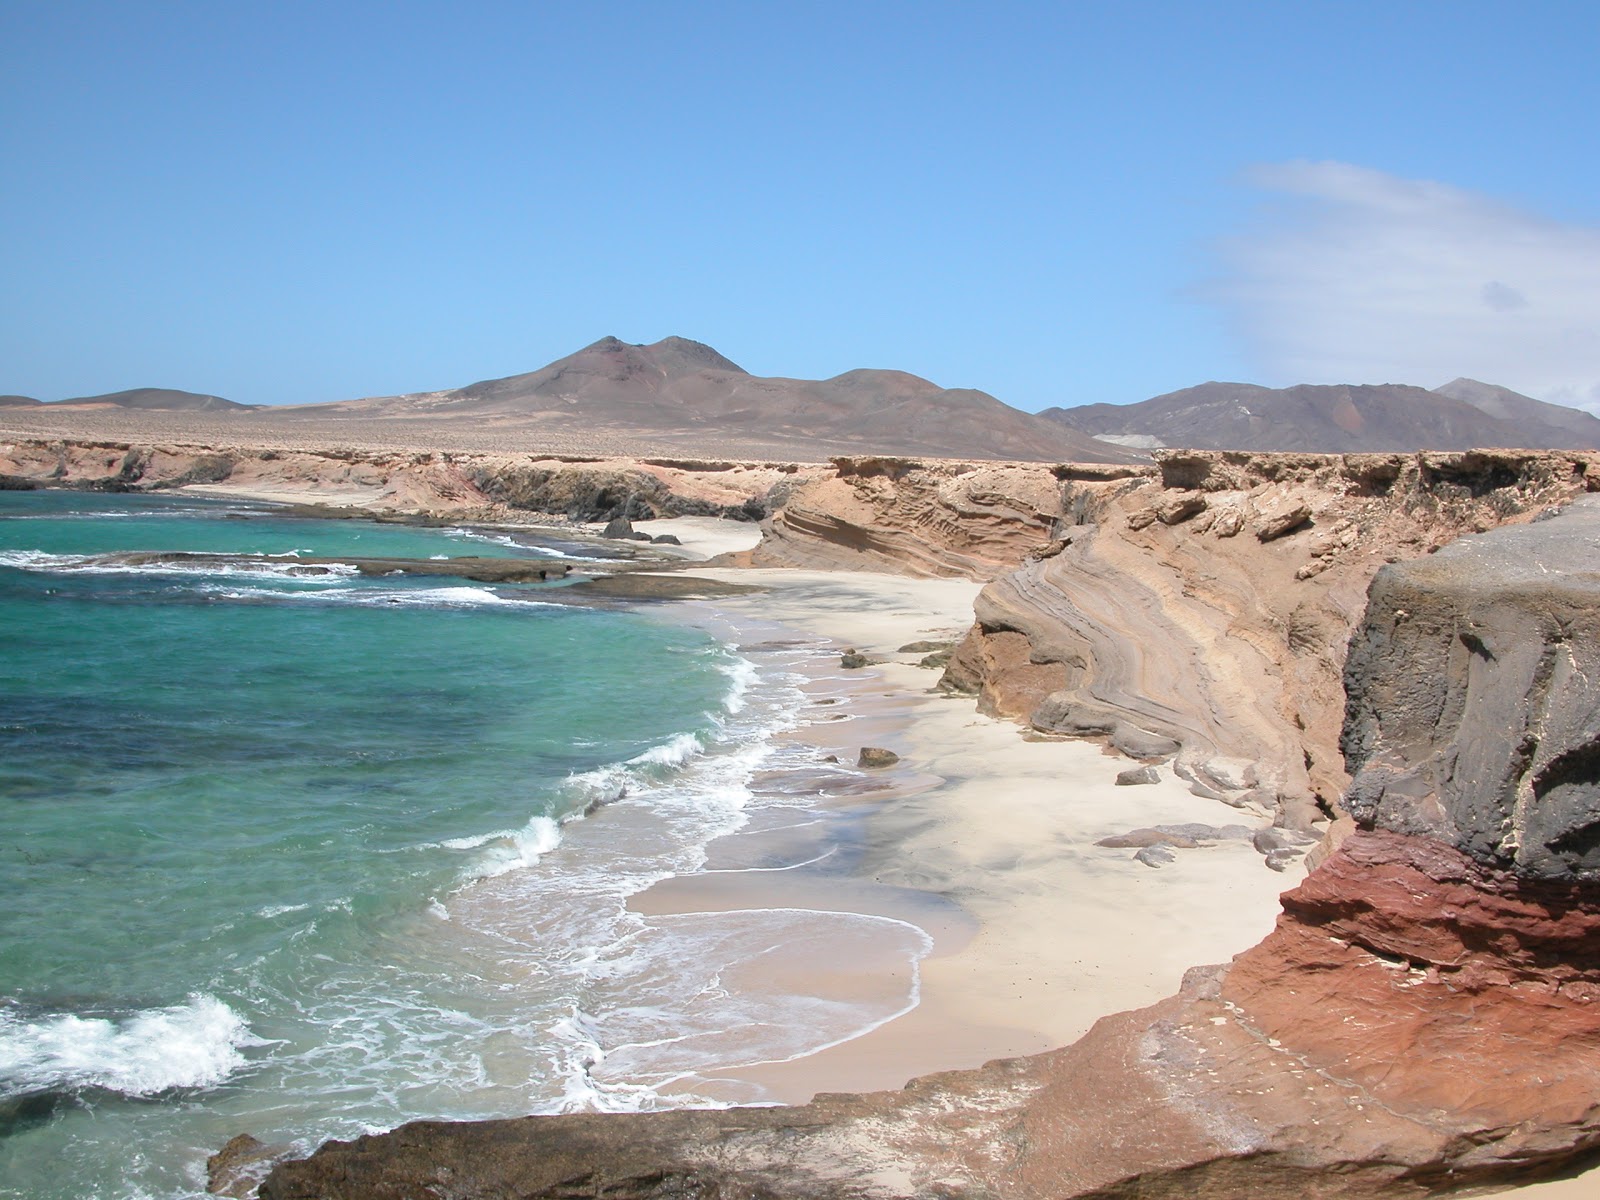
(1060, 932)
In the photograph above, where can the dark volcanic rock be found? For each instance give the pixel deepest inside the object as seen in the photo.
(876, 756)
(622, 528)
(1473, 711)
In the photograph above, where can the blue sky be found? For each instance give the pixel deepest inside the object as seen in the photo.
(1057, 203)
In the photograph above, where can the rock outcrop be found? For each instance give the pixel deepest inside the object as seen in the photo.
(460, 486)
(1425, 1018)
(934, 518)
(1152, 616)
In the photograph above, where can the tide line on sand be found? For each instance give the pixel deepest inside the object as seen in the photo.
(980, 836)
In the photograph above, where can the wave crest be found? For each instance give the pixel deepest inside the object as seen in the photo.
(195, 1044)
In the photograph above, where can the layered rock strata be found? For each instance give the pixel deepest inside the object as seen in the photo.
(928, 518)
(1425, 1017)
(1209, 607)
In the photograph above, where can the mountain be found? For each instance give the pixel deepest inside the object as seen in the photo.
(690, 390)
(18, 402)
(157, 399)
(1328, 418)
(1525, 411)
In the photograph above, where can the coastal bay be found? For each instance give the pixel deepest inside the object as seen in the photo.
(945, 910)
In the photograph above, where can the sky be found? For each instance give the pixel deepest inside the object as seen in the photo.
(1060, 203)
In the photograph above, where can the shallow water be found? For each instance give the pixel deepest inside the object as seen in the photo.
(310, 857)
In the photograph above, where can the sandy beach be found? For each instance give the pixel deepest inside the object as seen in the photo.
(1054, 932)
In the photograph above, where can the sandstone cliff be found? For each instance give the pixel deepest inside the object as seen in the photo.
(1425, 1018)
(933, 518)
(1210, 607)
(1201, 607)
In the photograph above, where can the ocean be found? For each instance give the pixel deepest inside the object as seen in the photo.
(310, 855)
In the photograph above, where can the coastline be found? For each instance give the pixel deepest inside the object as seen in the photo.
(1051, 932)
(971, 819)
(982, 836)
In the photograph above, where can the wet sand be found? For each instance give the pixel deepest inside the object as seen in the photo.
(983, 837)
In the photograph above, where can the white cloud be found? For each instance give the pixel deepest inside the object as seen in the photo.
(1355, 276)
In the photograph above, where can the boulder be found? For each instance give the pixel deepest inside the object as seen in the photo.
(1180, 508)
(1273, 525)
(1141, 743)
(873, 757)
(1135, 776)
(1148, 837)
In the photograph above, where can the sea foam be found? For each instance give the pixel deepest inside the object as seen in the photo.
(195, 1044)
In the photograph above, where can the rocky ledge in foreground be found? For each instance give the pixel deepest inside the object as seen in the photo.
(1425, 1018)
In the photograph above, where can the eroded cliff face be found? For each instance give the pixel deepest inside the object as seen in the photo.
(1424, 1018)
(454, 485)
(1210, 607)
(929, 518)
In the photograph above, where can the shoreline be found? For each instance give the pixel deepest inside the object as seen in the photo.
(1037, 933)
(1052, 932)
(1000, 830)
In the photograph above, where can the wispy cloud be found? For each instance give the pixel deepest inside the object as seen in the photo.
(1352, 275)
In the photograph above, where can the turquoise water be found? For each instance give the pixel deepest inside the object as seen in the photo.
(296, 856)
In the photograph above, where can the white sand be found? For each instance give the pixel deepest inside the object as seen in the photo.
(702, 537)
(1068, 931)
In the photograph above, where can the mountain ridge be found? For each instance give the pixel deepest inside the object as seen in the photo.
(1337, 418)
(678, 384)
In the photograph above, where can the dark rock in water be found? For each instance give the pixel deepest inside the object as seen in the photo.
(19, 483)
(665, 539)
(1134, 776)
(479, 570)
(620, 528)
(239, 1167)
(852, 660)
(876, 756)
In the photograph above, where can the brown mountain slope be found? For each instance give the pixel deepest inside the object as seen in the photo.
(1336, 418)
(686, 387)
(1526, 412)
(156, 399)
